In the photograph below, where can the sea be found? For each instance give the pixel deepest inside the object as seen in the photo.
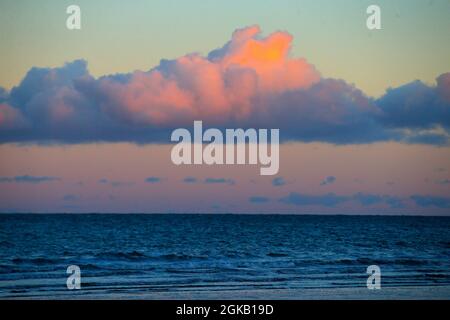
(223, 256)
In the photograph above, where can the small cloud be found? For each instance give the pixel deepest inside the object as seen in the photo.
(190, 180)
(278, 182)
(372, 199)
(327, 200)
(219, 181)
(431, 201)
(71, 197)
(258, 199)
(115, 183)
(29, 179)
(368, 199)
(332, 200)
(70, 207)
(121, 184)
(395, 202)
(153, 180)
(328, 180)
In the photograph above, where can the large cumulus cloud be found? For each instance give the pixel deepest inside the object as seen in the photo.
(252, 81)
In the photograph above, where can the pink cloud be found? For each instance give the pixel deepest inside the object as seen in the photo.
(251, 81)
(224, 85)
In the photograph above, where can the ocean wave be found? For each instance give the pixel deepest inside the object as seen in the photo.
(130, 255)
(139, 256)
(36, 261)
(181, 257)
(277, 254)
(6, 244)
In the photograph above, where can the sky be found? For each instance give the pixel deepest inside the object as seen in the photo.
(364, 115)
(414, 42)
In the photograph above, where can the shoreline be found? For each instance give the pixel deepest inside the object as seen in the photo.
(360, 293)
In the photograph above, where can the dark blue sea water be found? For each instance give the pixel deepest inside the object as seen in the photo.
(223, 256)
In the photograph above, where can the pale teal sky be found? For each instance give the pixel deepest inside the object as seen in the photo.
(119, 36)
